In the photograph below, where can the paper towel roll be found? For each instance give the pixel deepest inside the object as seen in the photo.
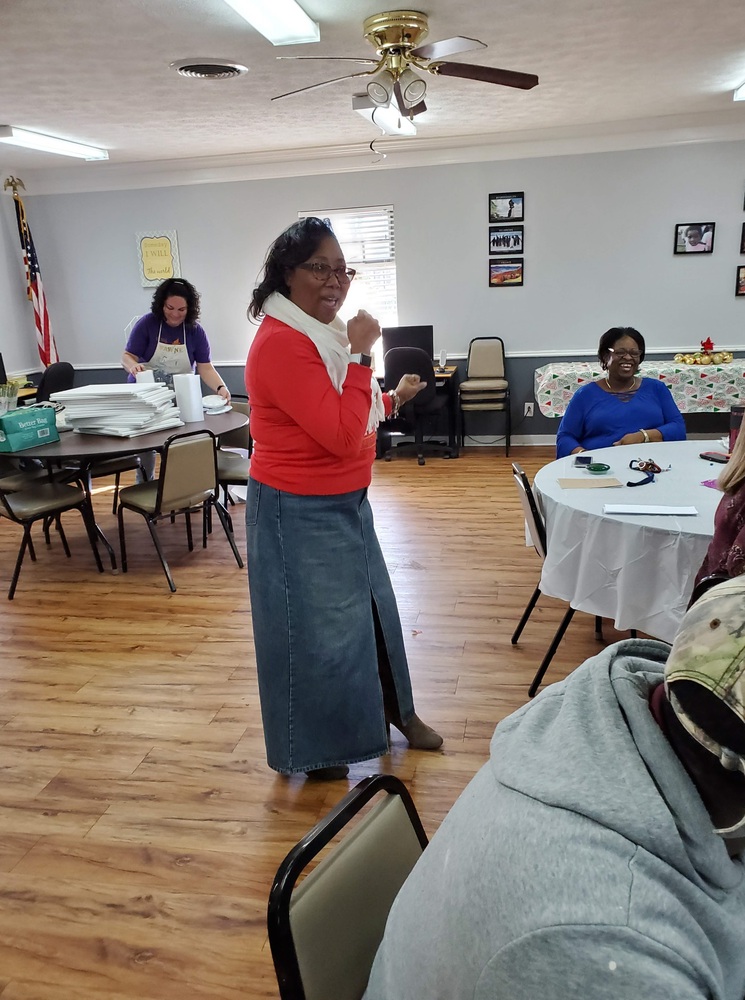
(188, 397)
(146, 376)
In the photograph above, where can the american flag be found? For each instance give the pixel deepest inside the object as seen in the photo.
(35, 289)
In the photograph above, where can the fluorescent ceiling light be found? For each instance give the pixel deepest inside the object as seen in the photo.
(283, 22)
(739, 94)
(388, 118)
(49, 144)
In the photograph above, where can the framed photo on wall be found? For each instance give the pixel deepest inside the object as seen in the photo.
(694, 237)
(507, 206)
(740, 283)
(505, 239)
(507, 272)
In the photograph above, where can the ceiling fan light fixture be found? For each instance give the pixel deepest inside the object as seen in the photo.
(50, 144)
(387, 117)
(413, 87)
(282, 22)
(380, 89)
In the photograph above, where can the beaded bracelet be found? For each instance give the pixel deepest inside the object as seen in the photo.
(396, 401)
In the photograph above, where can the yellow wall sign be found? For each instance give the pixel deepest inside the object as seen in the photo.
(159, 259)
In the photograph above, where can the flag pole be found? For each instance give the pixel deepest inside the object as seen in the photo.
(34, 288)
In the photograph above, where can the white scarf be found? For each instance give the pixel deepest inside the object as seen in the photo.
(332, 345)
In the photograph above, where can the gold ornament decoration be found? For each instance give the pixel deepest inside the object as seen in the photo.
(716, 358)
(678, 358)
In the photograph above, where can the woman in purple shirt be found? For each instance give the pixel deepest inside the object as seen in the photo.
(169, 340)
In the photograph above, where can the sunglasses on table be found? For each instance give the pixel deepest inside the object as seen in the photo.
(322, 272)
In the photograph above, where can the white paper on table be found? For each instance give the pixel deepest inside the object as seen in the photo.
(640, 508)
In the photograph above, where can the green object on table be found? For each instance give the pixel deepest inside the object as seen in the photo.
(598, 468)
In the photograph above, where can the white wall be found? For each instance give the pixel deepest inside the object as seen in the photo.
(599, 233)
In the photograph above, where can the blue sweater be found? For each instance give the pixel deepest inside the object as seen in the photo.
(597, 419)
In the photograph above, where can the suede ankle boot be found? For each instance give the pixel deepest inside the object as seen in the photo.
(420, 735)
(334, 773)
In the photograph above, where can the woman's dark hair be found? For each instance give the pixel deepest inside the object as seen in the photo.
(610, 337)
(292, 247)
(176, 286)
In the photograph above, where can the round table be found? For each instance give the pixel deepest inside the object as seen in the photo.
(90, 448)
(637, 570)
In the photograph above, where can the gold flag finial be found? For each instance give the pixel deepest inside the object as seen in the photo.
(14, 183)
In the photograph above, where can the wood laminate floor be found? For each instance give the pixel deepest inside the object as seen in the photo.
(140, 827)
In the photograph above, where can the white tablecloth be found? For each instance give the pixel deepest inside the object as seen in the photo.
(636, 570)
(695, 388)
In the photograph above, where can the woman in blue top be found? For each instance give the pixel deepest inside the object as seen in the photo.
(622, 407)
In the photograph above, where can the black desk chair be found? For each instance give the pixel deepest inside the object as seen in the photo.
(58, 377)
(412, 417)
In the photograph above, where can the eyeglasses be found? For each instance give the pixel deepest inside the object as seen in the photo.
(322, 272)
(634, 355)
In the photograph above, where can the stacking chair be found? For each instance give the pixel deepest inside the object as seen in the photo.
(324, 932)
(46, 501)
(55, 378)
(485, 386)
(232, 468)
(187, 484)
(413, 415)
(537, 532)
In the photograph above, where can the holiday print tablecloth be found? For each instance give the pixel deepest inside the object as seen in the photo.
(695, 388)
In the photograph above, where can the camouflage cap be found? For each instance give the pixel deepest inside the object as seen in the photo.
(709, 650)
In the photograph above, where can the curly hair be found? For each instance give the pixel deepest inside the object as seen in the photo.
(292, 247)
(176, 286)
(610, 337)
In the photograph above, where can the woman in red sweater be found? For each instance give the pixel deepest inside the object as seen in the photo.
(330, 654)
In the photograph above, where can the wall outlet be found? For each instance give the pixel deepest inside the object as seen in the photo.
(528, 410)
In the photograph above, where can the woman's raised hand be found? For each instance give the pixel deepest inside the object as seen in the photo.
(408, 387)
(363, 330)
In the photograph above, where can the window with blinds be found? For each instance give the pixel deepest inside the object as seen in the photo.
(367, 241)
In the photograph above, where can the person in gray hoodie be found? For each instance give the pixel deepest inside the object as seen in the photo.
(597, 854)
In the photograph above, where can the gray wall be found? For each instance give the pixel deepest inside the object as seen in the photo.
(598, 252)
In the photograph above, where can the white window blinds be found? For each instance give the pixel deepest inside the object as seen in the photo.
(367, 240)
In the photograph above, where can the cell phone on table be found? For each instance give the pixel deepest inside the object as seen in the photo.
(583, 460)
(715, 456)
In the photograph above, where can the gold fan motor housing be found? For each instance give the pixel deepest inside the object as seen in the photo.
(395, 30)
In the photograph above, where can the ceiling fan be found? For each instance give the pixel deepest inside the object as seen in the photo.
(396, 35)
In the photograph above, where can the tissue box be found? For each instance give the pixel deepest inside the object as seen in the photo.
(27, 427)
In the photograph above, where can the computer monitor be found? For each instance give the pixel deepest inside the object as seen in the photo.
(409, 336)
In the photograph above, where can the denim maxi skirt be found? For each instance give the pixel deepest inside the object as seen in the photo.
(315, 570)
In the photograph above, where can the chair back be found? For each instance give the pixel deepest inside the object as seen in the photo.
(241, 436)
(485, 358)
(324, 933)
(188, 472)
(58, 377)
(400, 361)
(533, 517)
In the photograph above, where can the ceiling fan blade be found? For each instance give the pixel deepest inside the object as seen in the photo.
(418, 109)
(487, 74)
(356, 59)
(315, 86)
(447, 47)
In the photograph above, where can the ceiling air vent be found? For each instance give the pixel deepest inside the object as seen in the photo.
(209, 69)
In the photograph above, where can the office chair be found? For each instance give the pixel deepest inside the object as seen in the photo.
(537, 532)
(56, 378)
(324, 932)
(485, 386)
(413, 415)
(187, 483)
